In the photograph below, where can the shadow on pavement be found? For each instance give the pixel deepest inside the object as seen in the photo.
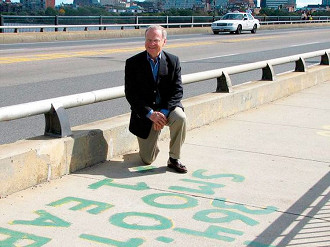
(305, 223)
(130, 166)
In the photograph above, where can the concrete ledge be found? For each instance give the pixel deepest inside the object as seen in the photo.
(28, 37)
(28, 162)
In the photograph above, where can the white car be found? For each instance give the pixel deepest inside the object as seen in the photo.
(236, 23)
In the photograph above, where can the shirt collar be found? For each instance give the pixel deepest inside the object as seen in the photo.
(158, 57)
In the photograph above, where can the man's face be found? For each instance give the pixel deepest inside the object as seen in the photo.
(154, 42)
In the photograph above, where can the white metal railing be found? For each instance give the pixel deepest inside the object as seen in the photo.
(101, 26)
(54, 109)
(87, 27)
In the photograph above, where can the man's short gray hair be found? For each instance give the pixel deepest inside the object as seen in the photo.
(157, 27)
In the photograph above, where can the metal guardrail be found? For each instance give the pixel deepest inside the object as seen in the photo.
(75, 20)
(43, 28)
(292, 22)
(43, 23)
(101, 27)
(57, 123)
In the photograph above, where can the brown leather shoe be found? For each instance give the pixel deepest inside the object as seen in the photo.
(177, 166)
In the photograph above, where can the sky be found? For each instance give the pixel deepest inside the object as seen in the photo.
(300, 3)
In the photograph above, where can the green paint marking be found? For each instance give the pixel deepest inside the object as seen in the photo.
(109, 182)
(207, 189)
(235, 177)
(257, 244)
(212, 232)
(132, 242)
(190, 202)
(45, 219)
(221, 203)
(230, 216)
(83, 203)
(14, 236)
(143, 169)
(165, 240)
(119, 220)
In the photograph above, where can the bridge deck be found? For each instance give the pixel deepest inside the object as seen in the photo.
(258, 178)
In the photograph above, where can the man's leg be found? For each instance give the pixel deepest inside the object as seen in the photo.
(177, 125)
(148, 147)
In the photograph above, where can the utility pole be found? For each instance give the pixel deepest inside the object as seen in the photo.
(213, 9)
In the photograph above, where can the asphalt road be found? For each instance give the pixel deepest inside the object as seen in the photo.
(37, 71)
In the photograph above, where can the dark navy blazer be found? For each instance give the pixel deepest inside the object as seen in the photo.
(141, 89)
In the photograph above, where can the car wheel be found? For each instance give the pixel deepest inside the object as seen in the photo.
(216, 32)
(254, 30)
(239, 29)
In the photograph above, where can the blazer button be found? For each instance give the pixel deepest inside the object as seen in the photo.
(155, 91)
(154, 103)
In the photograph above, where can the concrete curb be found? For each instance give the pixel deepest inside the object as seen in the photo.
(29, 162)
(29, 37)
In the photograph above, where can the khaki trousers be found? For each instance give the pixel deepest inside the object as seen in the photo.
(177, 124)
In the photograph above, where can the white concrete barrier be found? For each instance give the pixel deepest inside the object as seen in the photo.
(28, 162)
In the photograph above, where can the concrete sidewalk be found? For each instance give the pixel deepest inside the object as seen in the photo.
(258, 178)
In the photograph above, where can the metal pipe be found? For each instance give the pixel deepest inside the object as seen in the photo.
(140, 25)
(43, 106)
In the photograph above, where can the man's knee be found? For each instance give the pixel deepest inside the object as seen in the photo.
(146, 160)
(178, 116)
(149, 156)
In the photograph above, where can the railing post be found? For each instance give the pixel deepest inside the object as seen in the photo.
(137, 22)
(57, 122)
(167, 21)
(224, 83)
(56, 22)
(325, 58)
(300, 65)
(2, 23)
(100, 22)
(268, 73)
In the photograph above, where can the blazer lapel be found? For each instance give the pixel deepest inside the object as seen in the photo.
(148, 71)
(163, 70)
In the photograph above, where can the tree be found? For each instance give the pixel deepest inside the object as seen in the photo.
(61, 11)
(50, 11)
(321, 13)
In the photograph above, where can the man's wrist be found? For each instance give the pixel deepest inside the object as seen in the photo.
(149, 113)
(165, 112)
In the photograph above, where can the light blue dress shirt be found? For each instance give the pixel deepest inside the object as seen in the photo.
(155, 67)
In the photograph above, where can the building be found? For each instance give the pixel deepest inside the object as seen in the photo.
(183, 4)
(32, 5)
(112, 2)
(8, 7)
(239, 4)
(135, 9)
(49, 3)
(277, 4)
(148, 6)
(326, 2)
(221, 4)
(316, 7)
(85, 2)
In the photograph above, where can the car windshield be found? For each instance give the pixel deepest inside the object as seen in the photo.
(232, 17)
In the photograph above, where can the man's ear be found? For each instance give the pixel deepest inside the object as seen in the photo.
(165, 41)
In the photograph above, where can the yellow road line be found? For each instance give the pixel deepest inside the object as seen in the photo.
(51, 56)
